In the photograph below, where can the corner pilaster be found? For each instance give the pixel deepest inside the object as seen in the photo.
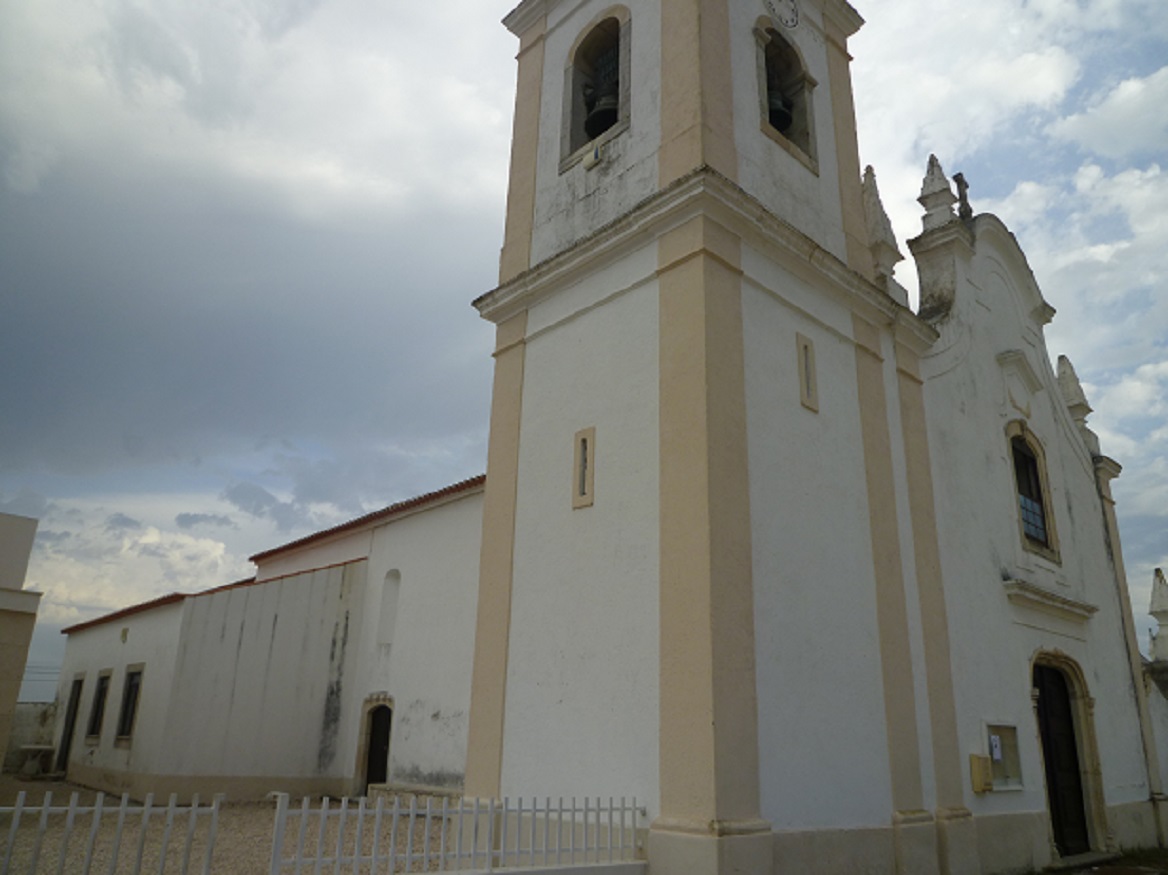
(710, 812)
(484, 760)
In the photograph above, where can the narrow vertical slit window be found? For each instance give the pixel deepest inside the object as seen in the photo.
(808, 390)
(584, 468)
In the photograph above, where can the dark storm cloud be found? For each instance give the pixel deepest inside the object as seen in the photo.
(191, 520)
(120, 522)
(25, 503)
(253, 499)
(177, 317)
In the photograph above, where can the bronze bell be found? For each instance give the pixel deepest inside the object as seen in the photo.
(779, 111)
(601, 114)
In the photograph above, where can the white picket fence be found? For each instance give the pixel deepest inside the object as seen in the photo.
(102, 848)
(456, 835)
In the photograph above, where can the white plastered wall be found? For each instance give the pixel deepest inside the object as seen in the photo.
(274, 662)
(582, 688)
(424, 661)
(146, 638)
(821, 707)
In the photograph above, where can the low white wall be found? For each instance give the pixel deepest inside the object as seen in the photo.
(32, 723)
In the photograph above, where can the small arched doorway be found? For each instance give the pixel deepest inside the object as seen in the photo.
(378, 725)
(1054, 707)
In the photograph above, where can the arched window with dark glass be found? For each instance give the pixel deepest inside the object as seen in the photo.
(1032, 492)
(1031, 503)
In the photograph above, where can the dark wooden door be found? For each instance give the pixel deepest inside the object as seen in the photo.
(70, 725)
(1060, 752)
(377, 762)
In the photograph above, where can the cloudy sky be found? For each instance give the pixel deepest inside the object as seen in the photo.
(238, 242)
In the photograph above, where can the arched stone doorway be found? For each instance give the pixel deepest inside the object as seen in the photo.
(379, 724)
(1064, 713)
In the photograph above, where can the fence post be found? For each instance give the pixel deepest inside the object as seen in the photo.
(216, 801)
(68, 831)
(97, 806)
(278, 833)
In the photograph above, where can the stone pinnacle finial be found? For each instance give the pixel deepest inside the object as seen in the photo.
(1159, 605)
(882, 239)
(1072, 390)
(936, 197)
(1076, 400)
(1158, 649)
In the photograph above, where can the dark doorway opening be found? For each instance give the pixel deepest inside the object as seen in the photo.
(1060, 754)
(377, 760)
(70, 724)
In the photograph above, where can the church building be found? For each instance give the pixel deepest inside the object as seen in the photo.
(828, 584)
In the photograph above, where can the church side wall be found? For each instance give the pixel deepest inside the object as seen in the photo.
(419, 641)
(582, 687)
(821, 724)
(347, 547)
(146, 639)
(275, 662)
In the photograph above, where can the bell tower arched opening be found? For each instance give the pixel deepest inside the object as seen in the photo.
(597, 82)
(787, 95)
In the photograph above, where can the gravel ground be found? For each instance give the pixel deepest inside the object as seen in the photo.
(242, 846)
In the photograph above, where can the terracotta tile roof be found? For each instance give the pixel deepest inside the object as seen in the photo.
(377, 516)
(126, 612)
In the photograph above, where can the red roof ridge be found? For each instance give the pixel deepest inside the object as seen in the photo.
(376, 516)
(408, 504)
(159, 602)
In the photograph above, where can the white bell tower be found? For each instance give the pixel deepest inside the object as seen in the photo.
(699, 370)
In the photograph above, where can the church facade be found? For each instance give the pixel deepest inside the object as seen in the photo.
(828, 584)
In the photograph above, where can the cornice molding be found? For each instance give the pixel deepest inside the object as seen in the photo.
(705, 192)
(19, 601)
(523, 16)
(1028, 595)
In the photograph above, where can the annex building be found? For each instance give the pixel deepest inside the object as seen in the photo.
(832, 585)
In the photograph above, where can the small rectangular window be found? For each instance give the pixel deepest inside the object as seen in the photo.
(97, 710)
(808, 390)
(584, 468)
(131, 692)
(1005, 763)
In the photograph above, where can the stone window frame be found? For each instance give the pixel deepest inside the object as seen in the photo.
(802, 146)
(1018, 431)
(808, 376)
(584, 468)
(123, 738)
(97, 706)
(574, 142)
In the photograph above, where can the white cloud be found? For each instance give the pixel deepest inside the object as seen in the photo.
(1129, 120)
(328, 105)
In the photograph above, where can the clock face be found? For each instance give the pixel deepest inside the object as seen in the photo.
(786, 12)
